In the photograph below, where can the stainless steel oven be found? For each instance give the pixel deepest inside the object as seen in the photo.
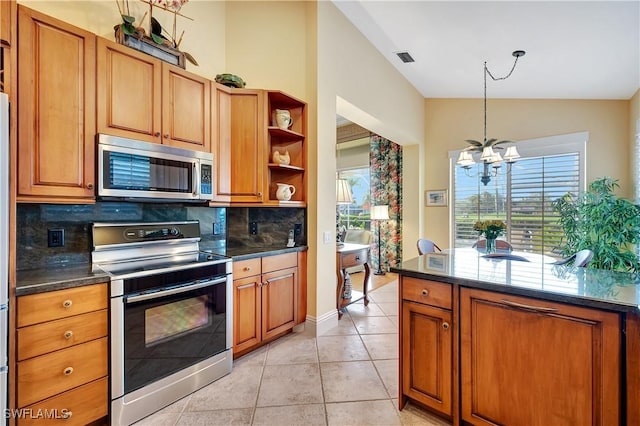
(171, 314)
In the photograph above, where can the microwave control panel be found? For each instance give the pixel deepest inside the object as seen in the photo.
(206, 173)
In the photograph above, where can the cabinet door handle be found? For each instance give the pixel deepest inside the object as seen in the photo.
(67, 303)
(259, 194)
(445, 325)
(529, 307)
(156, 134)
(67, 371)
(166, 135)
(68, 334)
(89, 186)
(425, 292)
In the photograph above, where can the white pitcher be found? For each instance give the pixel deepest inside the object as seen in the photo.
(283, 119)
(285, 191)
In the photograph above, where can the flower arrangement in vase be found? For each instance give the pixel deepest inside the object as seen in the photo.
(491, 229)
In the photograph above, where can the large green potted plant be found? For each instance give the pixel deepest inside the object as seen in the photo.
(600, 221)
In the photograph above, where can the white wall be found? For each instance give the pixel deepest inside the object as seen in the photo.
(357, 82)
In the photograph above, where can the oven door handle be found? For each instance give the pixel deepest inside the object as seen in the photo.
(172, 291)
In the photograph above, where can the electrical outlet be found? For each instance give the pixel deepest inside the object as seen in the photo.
(253, 228)
(217, 228)
(327, 237)
(55, 237)
(297, 230)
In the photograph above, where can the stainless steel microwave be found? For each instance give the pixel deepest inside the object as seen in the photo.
(136, 170)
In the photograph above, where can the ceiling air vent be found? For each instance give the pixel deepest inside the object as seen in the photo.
(405, 57)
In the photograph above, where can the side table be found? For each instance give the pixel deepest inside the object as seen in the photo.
(348, 255)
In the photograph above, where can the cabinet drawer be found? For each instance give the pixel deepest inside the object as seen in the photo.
(53, 335)
(279, 261)
(47, 375)
(246, 268)
(429, 292)
(356, 258)
(53, 305)
(82, 405)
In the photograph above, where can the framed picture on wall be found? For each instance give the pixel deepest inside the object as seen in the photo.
(435, 198)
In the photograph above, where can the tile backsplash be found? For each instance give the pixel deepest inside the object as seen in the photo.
(219, 227)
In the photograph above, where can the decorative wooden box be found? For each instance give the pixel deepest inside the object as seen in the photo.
(147, 45)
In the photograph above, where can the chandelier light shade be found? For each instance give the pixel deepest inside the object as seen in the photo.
(488, 147)
(343, 192)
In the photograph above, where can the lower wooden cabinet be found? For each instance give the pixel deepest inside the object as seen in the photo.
(533, 362)
(265, 299)
(427, 344)
(62, 353)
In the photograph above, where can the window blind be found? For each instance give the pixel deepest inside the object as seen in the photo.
(523, 199)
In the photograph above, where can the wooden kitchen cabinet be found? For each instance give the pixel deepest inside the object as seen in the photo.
(427, 344)
(265, 300)
(5, 22)
(62, 354)
(245, 153)
(527, 361)
(221, 141)
(56, 110)
(143, 98)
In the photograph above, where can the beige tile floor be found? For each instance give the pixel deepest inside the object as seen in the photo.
(348, 376)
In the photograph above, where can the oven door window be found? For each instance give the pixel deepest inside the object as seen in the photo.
(167, 334)
(143, 173)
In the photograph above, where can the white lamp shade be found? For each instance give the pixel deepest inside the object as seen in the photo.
(380, 212)
(487, 154)
(465, 159)
(511, 155)
(343, 192)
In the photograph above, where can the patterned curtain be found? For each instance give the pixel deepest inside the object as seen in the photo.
(385, 162)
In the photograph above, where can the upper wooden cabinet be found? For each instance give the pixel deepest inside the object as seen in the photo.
(6, 7)
(239, 145)
(221, 141)
(143, 98)
(56, 110)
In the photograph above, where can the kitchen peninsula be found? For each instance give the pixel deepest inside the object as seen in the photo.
(496, 341)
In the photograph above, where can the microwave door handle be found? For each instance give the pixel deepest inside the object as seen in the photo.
(172, 291)
(196, 179)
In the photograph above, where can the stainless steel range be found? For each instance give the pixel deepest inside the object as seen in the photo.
(171, 313)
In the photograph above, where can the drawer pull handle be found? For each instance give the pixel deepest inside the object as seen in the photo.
(246, 268)
(445, 325)
(425, 292)
(529, 307)
(67, 371)
(357, 258)
(68, 334)
(67, 303)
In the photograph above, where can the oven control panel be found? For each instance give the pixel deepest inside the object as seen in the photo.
(138, 232)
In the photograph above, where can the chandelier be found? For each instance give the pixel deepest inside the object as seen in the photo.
(489, 157)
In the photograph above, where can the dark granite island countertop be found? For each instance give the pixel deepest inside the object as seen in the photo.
(536, 278)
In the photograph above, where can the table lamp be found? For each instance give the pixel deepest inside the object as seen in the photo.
(379, 213)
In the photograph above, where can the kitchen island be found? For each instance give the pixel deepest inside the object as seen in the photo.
(494, 341)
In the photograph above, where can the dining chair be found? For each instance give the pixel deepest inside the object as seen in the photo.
(427, 246)
(500, 245)
(580, 258)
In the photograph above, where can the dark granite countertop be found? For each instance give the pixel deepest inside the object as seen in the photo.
(243, 253)
(537, 278)
(57, 278)
(42, 280)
